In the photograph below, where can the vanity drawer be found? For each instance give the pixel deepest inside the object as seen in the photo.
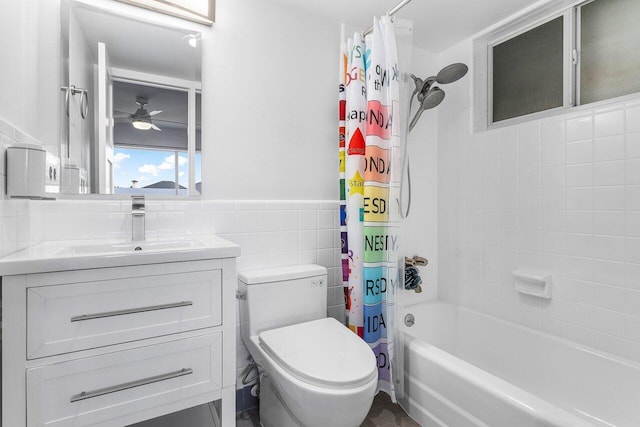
(71, 317)
(110, 389)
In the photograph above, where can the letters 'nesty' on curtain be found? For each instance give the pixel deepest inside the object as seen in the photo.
(371, 191)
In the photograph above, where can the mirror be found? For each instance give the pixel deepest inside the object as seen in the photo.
(130, 102)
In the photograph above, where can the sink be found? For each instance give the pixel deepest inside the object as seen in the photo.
(79, 254)
(109, 248)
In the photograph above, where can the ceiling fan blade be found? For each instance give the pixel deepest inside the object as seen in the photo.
(153, 113)
(155, 127)
(118, 114)
(122, 119)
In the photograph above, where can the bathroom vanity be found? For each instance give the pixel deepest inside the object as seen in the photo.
(110, 334)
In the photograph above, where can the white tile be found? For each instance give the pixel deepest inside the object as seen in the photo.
(579, 198)
(609, 198)
(529, 199)
(529, 178)
(633, 171)
(326, 219)
(528, 136)
(307, 256)
(609, 173)
(633, 119)
(246, 221)
(633, 197)
(552, 199)
(281, 205)
(288, 241)
(609, 123)
(307, 220)
(632, 301)
(609, 272)
(224, 222)
(529, 220)
(552, 242)
(633, 250)
(308, 239)
(529, 240)
(579, 268)
(633, 223)
(268, 242)
(579, 314)
(610, 297)
(579, 175)
(288, 221)
(250, 205)
(218, 205)
(268, 220)
(633, 328)
(632, 145)
(632, 273)
(609, 223)
(579, 245)
(552, 177)
(610, 248)
(609, 148)
(554, 220)
(610, 322)
(552, 155)
(552, 131)
(579, 152)
(579, 128)
(579, 222)
(326, 238)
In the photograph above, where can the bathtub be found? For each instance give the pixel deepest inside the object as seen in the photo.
(464, 368)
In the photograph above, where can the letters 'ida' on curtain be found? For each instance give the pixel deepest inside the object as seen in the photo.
(371, 189)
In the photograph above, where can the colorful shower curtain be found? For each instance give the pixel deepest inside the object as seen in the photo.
(371, 180)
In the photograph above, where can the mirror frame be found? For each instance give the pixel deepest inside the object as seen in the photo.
(173, 9)
(128, 10)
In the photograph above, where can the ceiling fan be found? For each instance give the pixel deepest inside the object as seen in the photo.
(141, 119)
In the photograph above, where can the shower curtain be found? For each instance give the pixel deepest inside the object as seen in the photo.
(371, 191)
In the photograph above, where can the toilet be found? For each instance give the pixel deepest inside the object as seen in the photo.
(313, 370)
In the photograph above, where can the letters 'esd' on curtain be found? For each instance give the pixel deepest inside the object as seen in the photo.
(372, 189)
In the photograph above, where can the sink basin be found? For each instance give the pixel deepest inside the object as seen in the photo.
(109, 248)
(83, 254)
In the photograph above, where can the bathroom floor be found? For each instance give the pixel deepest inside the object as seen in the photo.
(383, 413)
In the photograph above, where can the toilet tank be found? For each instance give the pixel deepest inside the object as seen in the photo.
(283, 296)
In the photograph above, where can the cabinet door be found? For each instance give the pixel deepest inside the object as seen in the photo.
(128, 386)
(78, 316)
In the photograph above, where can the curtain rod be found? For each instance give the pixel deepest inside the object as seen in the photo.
(391, 12)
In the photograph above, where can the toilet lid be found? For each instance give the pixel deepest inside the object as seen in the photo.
(321, 351)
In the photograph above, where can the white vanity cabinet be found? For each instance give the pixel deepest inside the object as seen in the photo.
(112, 346)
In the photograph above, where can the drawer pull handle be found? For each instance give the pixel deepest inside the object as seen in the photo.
(150, 380)
(130, 311)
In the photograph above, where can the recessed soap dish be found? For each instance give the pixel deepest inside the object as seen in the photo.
(534, 284)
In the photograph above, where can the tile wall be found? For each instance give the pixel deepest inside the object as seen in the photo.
(560, 195)
(270, 232)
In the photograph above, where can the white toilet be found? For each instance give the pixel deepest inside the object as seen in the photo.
(313, 370)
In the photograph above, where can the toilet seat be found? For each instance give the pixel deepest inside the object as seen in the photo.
(321, 352)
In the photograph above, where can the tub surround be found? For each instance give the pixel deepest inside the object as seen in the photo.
(513, 375)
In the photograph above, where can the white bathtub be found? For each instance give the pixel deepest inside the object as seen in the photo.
(463, 368)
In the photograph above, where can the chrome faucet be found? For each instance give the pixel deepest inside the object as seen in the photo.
(137, 218)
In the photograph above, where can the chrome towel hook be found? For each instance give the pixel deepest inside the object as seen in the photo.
(84, 99)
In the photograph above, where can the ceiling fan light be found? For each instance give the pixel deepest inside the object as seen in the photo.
(141, 124)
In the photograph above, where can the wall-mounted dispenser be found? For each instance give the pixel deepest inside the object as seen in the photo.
(26, 165)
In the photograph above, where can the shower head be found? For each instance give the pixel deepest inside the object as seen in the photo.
(452, 73)
(430, 96)
(431, 99)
